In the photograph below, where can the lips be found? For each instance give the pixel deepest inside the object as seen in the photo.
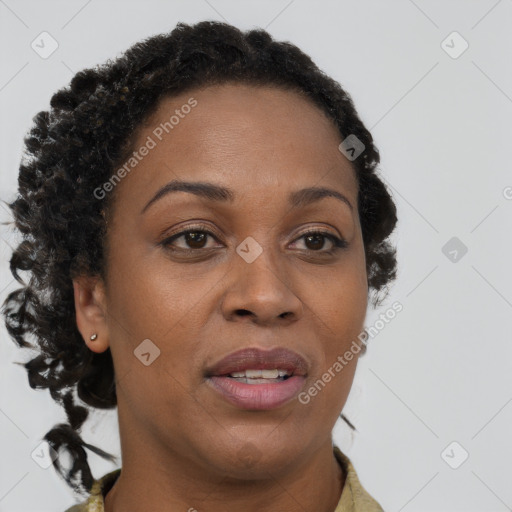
(257, 359)
(256, 394)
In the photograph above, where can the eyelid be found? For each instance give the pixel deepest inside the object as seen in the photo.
(318, 229)
(207, 228)
(192, 227)
(337, 241)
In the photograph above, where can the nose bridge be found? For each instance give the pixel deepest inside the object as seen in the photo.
(258, 267)
(259, 285)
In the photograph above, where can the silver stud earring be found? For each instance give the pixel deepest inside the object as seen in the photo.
(94, 336)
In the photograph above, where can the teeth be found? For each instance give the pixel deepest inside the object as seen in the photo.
(237, 374)
(260, 374)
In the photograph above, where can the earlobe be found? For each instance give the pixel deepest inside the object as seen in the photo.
(90, 311)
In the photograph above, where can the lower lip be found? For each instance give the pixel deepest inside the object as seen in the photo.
(257, 396)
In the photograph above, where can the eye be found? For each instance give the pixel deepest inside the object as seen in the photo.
(194, 238)
(315, 241)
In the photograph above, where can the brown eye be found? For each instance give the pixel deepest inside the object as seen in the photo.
(315, 241)
(193, 239)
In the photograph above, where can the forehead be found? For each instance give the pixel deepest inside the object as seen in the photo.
(257, 138)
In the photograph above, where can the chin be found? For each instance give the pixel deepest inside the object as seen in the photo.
(257, 459)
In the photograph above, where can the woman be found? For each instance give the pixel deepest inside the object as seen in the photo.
(203, 226)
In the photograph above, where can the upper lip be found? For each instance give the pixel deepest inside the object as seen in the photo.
(260, 359)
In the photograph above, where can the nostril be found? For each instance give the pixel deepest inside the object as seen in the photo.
(243, 312)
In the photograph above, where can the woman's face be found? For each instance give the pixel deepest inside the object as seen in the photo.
(255, 282)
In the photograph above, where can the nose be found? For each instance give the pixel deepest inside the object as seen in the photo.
(258, 292)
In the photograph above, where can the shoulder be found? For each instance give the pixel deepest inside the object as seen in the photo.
(99, 489)
(81, 507)
(354, 497)
(91, 504)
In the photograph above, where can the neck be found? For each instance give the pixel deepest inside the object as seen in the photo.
(148, 482)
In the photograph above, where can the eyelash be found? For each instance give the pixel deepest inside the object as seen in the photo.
(338, 243)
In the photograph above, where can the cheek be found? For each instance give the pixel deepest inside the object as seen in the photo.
(341, 302)
(151, 301)
(326, 394)
(161, 315)
(341, 310)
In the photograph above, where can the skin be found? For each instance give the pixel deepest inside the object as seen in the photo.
(183, 443)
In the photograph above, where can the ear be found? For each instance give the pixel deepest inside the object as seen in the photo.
(91, 311)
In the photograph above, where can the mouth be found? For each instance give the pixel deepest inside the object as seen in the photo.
(258, 379)
(260, 376)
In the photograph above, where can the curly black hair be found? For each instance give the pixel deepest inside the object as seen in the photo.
(75, 146)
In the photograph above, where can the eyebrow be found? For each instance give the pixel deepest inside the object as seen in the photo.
(215, 192)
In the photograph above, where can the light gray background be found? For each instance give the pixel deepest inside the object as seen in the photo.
(441, 370)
